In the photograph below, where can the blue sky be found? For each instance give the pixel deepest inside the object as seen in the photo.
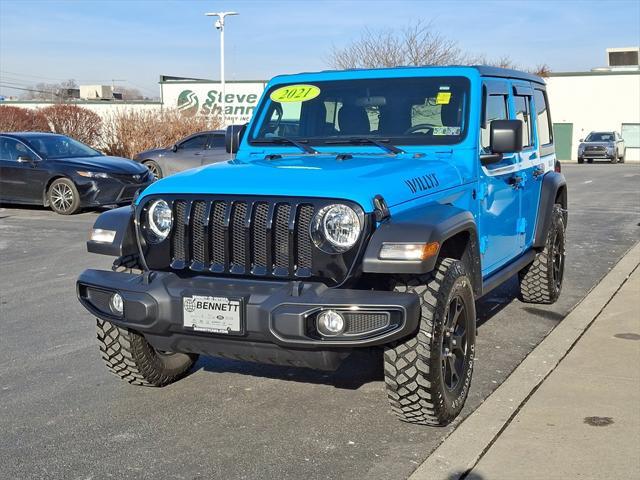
(94, 41)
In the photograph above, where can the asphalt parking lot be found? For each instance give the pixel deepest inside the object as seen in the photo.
(62, 415)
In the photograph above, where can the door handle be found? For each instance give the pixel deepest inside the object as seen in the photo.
(515, 181)
(538, 172)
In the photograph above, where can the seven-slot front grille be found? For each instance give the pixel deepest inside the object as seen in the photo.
(242, 237)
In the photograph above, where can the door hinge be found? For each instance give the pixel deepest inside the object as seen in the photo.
(522, 225)
(482, 191)
(483, 244)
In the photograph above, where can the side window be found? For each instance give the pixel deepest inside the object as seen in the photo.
(523, 112)
(11, 149)
(216, 141)
(495, 109)
(196, 142)
(545, 133)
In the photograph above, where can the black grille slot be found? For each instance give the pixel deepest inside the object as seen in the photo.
(362, 322)
(217, 233)
(305, 214)
(259, 234)
(198, 226)
(281, 236)
(261, 237)
(238, 237)
(177, 240)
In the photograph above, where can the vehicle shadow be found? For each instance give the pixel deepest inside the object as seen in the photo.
(40, 208)
(362, 366)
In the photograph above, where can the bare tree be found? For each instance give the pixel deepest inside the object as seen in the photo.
(50, 91)
(413, 45)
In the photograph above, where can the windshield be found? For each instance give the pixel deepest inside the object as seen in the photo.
(420, 111)
(58, 146)
(600, 137)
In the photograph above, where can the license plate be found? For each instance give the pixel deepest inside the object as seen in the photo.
(212, 314)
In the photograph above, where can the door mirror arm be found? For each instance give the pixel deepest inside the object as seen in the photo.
(490, 158)
(174, 148)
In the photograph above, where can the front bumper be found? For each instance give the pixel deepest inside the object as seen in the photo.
(107, 191)
(278, 315)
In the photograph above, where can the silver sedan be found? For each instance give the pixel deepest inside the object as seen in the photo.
(193, 151)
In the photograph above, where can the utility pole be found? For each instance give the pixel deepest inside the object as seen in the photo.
(220, 26)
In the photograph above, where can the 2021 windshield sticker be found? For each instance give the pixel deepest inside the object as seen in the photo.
(295, 93)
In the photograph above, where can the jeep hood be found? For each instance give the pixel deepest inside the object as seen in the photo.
(359, 178)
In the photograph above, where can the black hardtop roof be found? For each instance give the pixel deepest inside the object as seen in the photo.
(487, 71)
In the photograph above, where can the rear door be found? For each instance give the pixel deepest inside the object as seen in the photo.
(499, 201)
(532, 166)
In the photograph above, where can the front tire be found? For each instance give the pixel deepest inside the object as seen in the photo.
(428, 375)
(541, 281)
(128, 355)
(580, 160)
(63, 197)
(624, 154)
(614, 159)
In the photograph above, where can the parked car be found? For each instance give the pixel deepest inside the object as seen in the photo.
(602, 145)
(60, 172)
(396, 199)
(193, 151)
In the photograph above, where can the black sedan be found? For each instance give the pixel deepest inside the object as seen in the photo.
(193, 151)
(55, 170)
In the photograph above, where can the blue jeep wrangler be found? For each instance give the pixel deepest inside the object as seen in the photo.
(364, 208)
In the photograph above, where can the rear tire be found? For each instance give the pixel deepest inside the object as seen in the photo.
(541, 280)
(154, 168)
(428, 375)
(63, 197)
(128, 355)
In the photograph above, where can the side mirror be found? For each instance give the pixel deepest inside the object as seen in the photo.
(174, 148)
(505, 137)
(581, 140)
(233, 137)
(24, 159)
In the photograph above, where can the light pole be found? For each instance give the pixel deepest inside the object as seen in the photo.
(220, 26)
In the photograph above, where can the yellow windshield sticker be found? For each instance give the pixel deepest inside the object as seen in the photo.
(295, 93)
(443, 98)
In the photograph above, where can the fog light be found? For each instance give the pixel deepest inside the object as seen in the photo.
(330, 323)
(116, 304)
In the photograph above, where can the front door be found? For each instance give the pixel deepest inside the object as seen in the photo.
(190, 153)
(499, 198)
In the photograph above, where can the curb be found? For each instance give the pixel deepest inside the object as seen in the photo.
(462, 449)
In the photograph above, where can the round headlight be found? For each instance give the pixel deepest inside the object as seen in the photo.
(338, 226)
(160, 220)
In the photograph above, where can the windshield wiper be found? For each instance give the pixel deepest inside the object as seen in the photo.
(304, 148)
(383, 143)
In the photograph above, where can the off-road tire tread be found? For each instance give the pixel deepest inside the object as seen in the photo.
(128, 355)
(406, 364)
(536, 280)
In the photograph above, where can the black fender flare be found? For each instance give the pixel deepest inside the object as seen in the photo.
(119, 220)
(432, 223)
(554, 187)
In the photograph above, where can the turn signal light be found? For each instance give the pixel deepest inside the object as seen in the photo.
(409, 251)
